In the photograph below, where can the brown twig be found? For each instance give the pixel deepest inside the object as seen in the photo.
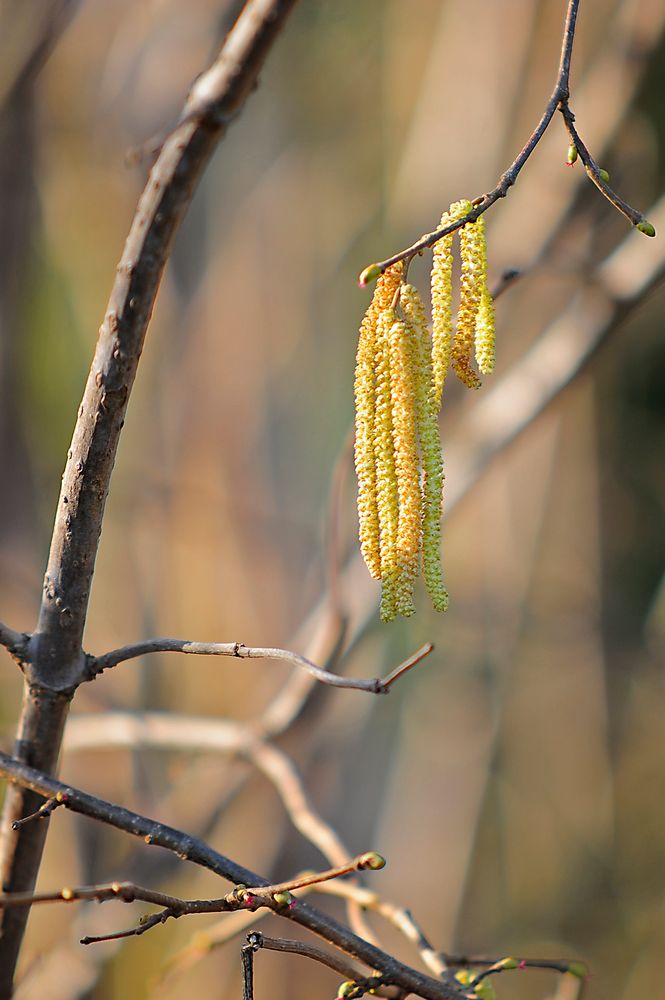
(55, 663)
(596, 174)
(42, 813)
(193, 849)
(374, 685)
(480, 204)
(377, 984)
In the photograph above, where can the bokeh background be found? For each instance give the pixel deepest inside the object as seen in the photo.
(515, 779)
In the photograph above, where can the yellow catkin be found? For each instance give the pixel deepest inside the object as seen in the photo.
(442, 294)
(485, 333)
(364, 387)
(386, 479)
(473, 278)
(404, 363)
(430, 446)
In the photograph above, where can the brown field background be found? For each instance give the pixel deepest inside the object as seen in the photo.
(515, 780)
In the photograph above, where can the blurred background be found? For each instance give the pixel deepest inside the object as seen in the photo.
(515, 779)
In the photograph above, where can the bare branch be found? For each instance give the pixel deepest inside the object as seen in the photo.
(508, 178)
(480, 204)
(56, 663)
(374, 685)
(195, 850)
(596, 175)
(376, 984)
(42, 813)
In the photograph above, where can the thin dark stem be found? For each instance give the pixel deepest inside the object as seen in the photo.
(558, 101)
(508, 178)
(377, 984)
(594, 172)
(247, 959)
(195, 850)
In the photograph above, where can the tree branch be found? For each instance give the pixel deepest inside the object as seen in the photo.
(375, 685)
(257, 941)
(55, 664)
(195, 850)
(557, 101)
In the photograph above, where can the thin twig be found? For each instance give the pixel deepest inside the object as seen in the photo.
(373, 685)
(43, 812)
(480, 204)
(594, 172)
(398, 672)
(195, 850)
(508, 178)
(377, 984)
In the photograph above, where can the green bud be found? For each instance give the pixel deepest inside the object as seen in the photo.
(369, 274)
(578, 969)
(485, 991)
(603, 174)
(372, 860)
(646, 228)
(283, 898)
(572, 154)
(509, 963)
(346, 989)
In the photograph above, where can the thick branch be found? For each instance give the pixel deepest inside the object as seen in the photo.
(56, 662)
(193, 849)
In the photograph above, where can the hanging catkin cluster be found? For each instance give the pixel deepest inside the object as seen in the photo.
(400, 373)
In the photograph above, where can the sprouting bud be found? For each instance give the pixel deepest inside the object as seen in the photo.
(646, 228)
(375, 862)
(67, 894)
(604, 176)
(578, 969)
(572, 154)
(508, 963)
(369, 274)
(346, 989)
(283, 898)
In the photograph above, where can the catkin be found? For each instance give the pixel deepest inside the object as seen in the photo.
(442, 296)
(427, 408)
(386, 479)
(365, 402)
(400, 375)
(473, 278)
(404, 375)
(485, 333)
